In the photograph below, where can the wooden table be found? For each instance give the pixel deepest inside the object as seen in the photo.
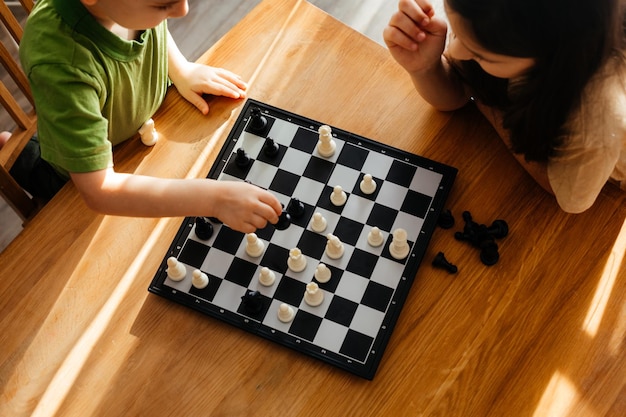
(542, 333)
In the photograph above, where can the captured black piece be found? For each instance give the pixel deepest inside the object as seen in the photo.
(440, 261)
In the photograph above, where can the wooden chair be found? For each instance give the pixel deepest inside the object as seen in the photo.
(20, 107)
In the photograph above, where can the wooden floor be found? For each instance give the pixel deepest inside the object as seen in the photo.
(206, 23)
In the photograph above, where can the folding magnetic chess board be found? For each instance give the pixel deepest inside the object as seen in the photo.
(368, 287)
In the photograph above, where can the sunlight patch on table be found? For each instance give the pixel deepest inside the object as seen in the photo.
(558, 398)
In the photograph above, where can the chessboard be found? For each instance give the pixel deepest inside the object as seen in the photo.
(339, 306)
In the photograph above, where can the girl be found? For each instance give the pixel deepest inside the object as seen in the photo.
(550, 77)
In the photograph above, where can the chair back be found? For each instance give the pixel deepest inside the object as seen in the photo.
(17, 100)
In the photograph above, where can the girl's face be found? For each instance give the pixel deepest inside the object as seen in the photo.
(463, 47)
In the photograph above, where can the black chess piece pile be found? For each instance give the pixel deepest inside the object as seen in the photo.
(483, 237)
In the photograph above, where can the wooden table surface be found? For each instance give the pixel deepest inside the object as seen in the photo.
(541, 333)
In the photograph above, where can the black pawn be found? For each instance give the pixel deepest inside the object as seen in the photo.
(489, 254)
(258, 122)
(284, 221)
(498, 229)
(295, 208)
(446, 219)
(204, 228)
(271, 148)
(242, 159)
(252, 302)
(440, 261)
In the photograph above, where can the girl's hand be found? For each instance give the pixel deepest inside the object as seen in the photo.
(197, 79)
(415, 37)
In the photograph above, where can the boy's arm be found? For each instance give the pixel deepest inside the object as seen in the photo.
(192, 80)
(242, 206)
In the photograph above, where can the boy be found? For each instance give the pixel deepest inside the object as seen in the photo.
(98, 70)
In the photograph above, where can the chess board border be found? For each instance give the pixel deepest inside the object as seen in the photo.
(365, 369)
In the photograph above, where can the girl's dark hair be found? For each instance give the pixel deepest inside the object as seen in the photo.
(569, 39)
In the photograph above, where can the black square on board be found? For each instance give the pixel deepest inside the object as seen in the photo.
(348, 230)
(208, 292)
(228, 240)
(356, 345)
(362, 263)
(318, 169)
(382, 217)
(377, 296)
(305, 140)
(352, 157)
(193, 253)
(290, 291)
(305, 325)
(275, 258)
(240, 272)
(416, 204)
(312, 244)
(284, 182)
(341, 310)
(401, 173)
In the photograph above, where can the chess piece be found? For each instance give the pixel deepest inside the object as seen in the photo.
(334, 247)
(271, 148)
(258, 122)
(326, 145)
(254, 245)
(204, 228)
(367, 185)
(176, 270)
(446, 219)
(338, 197)
(285, 313)
(399, 247)
(375, 237)
(489, 254)
(284, 221)
(252, 302)
(318, 223)
(149, 135)
(242, 160)
(296, 261)
(440, 261)
(313, 296)
(199, 279)
(267, 276)
(295, 208)
(322, 273)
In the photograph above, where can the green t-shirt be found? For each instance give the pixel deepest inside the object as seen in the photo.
(92, 89)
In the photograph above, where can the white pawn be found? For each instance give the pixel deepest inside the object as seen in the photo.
(296, 261)
(399, 247)
(149, 135)
(318, 224)
(266, 276)
(313, 296)
(176, 270)
(254, 245)
(285, 313)
(322, 273)
(334, 247)
(326, 145)
(375, 237)
(367, 185)
(338, 197)
(199, 279)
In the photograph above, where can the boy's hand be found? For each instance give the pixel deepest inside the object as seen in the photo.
(415, 38)
(197, 79)
(245, 207)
